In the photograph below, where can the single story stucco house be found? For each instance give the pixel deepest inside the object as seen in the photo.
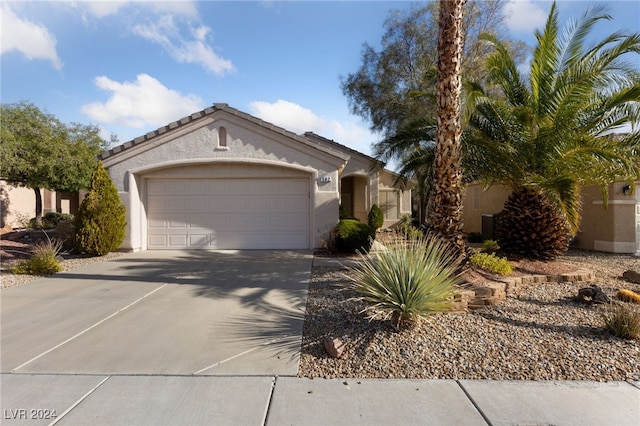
(223, 179)
(615, 228)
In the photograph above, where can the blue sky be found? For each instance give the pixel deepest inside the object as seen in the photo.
(131, 67)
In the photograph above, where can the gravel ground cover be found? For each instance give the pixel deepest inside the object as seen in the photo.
(537, 333)
(17, 246)
(69, 262)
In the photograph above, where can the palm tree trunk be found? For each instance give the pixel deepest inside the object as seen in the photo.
(445, 201)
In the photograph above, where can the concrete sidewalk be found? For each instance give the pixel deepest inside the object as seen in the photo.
(271, 400)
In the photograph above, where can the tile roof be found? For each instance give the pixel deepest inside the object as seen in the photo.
(224, 107)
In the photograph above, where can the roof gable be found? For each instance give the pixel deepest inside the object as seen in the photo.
(175, 125)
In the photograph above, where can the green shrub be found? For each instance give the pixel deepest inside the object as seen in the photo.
(353, 235)
(375, 217)
(407, 281)
(475, 237)
(65, 232)
(43, 261)
(413, 233)
(490, 246)
(343, 213)
(492, 263)
(405, 223)
(623, 321)
(50, 220)
(101, 220)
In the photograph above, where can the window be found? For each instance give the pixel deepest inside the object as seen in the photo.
(222, 137)
(389, 204)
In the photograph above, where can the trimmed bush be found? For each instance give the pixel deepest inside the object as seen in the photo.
(44, 260)
(353, 235)
(50, 220)
(492, 263)
(622, 321)
(407, 281)
(343, 213)
(490, 246)
(101, 220)
(375, 217)
(65, 232)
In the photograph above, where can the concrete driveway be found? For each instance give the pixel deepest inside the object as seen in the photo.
(161, 313)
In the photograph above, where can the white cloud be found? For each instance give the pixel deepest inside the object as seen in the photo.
(144, 102)
(192, 49)
(34, 41)
(101, 9)
(525, 15)
(298, 119)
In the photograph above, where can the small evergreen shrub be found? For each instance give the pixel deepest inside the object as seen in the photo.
(50, 220)
(475, 237)
(622, 321)
(101, 220)
(490, 246)
(65, 232)
(407, 281)
(492, 263)
(343, 213)
(628, 296)
(375, 217)
(353, 235)
(44, 260)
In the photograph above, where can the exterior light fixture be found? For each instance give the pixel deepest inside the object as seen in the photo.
(626, 190)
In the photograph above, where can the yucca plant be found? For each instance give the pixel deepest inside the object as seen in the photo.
(542, 134)
(407, 281)
(623, 321)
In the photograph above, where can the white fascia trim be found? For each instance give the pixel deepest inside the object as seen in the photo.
(191, 162)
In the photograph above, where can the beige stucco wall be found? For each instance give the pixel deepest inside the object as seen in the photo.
(615, 228)
(478, 201)
(249, 148)
(18, 204)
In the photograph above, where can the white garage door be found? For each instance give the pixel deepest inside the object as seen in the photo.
(228, 213)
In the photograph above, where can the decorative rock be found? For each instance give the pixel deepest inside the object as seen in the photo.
(632, 276)
(591, 295)
(334, 347)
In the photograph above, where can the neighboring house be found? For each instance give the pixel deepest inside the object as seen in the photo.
(18, 204)
(614, 229)
(223, 179)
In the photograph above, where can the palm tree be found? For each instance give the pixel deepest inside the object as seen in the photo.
(444, 211)
(544, 134)
(414, 147)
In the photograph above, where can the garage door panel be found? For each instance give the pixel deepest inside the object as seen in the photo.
(158, 240)
(228, 214)
(179, 240)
